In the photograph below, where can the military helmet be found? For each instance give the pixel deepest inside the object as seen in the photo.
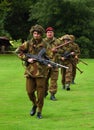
(65, 37)
(72, 37)
(37, 28)
(61, 38)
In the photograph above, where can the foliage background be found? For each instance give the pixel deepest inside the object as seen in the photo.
(65, 16)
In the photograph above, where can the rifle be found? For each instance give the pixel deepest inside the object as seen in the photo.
(76, 67)
(83, 62)
(66, 56)
(43, 59)
(57, 47)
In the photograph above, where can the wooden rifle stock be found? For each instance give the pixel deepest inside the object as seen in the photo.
(57, 47)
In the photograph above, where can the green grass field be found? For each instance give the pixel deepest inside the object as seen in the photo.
(73, 110)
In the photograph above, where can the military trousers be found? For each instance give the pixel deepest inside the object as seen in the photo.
(66, 74)
(74, 70)
(51, 81)
(36, 89)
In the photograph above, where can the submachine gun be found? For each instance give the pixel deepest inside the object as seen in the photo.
(66, 55)
(43, 59)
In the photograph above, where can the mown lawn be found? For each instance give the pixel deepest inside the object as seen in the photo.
(73, 110)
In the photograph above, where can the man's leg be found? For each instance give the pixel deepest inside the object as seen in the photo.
(40, 82)
(31, 87)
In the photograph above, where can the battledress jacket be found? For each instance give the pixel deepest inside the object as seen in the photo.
(77, 49)
(71, 47)
(34, 69)
(51, 43)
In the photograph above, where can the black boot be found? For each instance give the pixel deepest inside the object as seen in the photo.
(53, 97)
(33, 110)
(39, 116)
(67, 87)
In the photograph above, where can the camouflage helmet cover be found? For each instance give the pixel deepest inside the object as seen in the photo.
(37, 28)
(65, 37)
(72, 37)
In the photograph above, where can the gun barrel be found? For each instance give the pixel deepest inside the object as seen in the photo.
(56, 64)
(83, 62)
(62, 66)
(79, 70)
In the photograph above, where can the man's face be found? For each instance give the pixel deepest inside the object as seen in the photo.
(66, 40)
(36, 35)
(50, 34)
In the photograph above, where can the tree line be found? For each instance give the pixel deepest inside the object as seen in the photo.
(65, 16)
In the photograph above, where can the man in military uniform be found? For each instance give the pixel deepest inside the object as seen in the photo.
(51, 42)
(35, 72)
(67, 53)
(75, 59)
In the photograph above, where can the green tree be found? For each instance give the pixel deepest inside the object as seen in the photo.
(16, 22)
(4, 9)
(66, 16)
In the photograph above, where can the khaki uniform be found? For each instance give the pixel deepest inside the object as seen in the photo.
(75, 61)
(35, 73)
(53, 72)
(67, 73)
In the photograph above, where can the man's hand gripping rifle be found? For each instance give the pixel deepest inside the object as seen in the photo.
(66, 55)
(43, 59)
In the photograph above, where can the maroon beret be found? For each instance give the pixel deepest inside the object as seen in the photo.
(49, 29)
